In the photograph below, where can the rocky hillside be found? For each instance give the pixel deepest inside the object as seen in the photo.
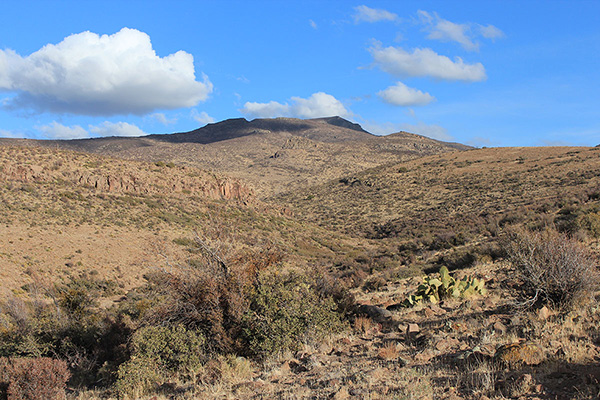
(273, 155)
(45, 166)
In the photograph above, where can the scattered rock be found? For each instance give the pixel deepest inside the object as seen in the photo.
(412, 330)
(445, 344)
(376, 313)
(499, 328)
(544, 313)
(424, 356)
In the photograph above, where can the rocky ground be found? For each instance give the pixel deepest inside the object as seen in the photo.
(486, 347)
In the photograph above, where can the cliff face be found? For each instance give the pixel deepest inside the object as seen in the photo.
(45, 166)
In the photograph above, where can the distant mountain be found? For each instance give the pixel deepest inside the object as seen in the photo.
(273, 155)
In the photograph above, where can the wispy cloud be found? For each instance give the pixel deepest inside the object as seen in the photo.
(465, 34)
(491, 32)
(202, 117)
(432, 131)
(367, 14)
(10, 134)
(446, 31)
(425, 62)
(101, 75)
(313, 24)
(56, 130)
(162, 118)
(317, 105)
(402, 95)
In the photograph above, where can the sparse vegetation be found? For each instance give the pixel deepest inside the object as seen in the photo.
(555, 269)
(171, 290)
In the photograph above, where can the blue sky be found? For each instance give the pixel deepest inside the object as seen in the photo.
(485, 73)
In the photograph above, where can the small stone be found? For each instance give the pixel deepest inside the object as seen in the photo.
(428, 312)
(499, 328)
(437, 309)
(376, 313)
(412, 330)
(445, 344)
(424, 356)
(544, 313)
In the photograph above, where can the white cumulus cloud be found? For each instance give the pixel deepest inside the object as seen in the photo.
(91, 74)
(108, 128)
(402, 95)
(425, 62)
(367, 14)
(55, 130)
(317, 105)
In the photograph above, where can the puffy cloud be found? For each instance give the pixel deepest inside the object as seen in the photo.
(101, 75)
(490, 32)
(55, 130)
(402, 95)
(202, 117)
(425, 62)
(317, 105)
(116, 129)
(266, 110)
(367, 14)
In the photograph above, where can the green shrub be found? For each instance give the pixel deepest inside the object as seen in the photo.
(590, 222)
(285, 312)
(158, 353)
(553, 267)
(33, 378)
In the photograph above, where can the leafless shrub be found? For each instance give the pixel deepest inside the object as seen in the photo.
(553, 267)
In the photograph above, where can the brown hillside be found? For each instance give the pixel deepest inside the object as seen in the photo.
(64, 213)
(273, 155)
(471, 192)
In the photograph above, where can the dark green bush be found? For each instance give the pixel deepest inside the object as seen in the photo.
(286, 311)
(159, 353)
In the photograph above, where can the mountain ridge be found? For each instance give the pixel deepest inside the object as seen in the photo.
(273, 155)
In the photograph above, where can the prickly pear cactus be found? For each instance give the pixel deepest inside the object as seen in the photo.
(434, 289)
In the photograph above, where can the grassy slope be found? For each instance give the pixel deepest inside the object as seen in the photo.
(54, 224)
(472, 190)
